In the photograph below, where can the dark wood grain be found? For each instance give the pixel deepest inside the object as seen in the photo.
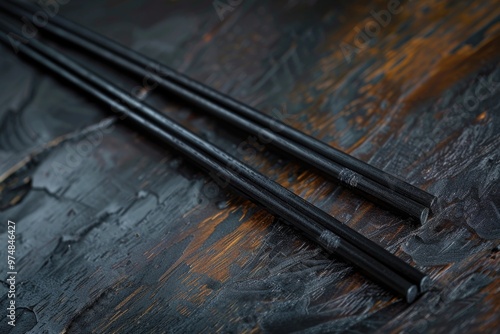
(118, 234)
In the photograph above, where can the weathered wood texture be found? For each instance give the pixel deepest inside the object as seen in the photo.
(117, 234)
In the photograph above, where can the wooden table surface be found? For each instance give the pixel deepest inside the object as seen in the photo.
(116, 233)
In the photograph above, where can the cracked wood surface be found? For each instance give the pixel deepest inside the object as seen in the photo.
(119, 234)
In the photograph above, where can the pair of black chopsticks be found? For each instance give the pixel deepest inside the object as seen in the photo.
(318, 225)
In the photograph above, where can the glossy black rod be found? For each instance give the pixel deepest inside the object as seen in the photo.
(276, 205)
(356, 239)
(330, 167)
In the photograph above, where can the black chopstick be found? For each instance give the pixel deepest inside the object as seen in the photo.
(216, 103)
(93, 84)
(323, 218)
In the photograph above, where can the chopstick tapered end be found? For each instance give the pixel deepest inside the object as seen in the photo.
(411, 294)
(425, 284)
(424, 214)
(434, 204)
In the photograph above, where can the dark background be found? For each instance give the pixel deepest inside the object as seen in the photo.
(117, 233)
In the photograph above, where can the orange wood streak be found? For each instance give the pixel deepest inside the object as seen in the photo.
(129, 297)
(199, 234)
(421, 66)
(233, 248)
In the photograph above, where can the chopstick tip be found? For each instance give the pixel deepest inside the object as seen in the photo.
(411, 294)
(425, 284)
(424, 215)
